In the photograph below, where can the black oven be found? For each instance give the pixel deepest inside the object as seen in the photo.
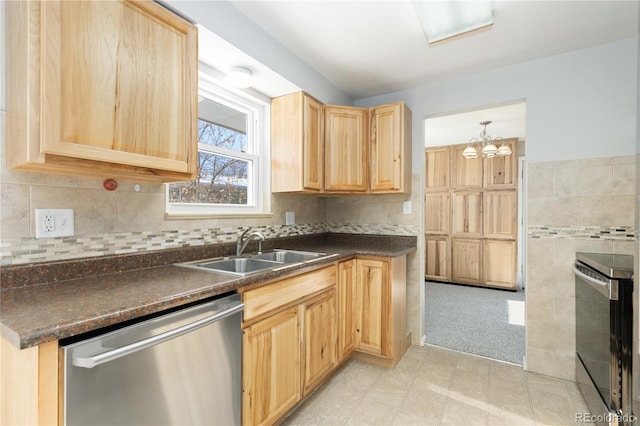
(604, 332)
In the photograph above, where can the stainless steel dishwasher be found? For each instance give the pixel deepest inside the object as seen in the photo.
(181, 368)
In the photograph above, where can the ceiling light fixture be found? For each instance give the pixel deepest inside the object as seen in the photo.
(443, 20)
(240, 77)
(486, 145)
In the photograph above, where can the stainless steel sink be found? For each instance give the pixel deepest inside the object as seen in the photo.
(287, 256)
(251, 264)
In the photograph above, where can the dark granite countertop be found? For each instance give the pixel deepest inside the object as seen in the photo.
(35, 311)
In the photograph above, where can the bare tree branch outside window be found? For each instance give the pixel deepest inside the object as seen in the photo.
(221, 179)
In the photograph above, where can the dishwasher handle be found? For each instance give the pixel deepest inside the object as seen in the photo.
(95, 360)
(607, 287)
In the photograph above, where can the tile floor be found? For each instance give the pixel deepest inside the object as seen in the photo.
(436, 386)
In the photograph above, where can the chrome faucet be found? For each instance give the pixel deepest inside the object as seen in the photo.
(241, 244)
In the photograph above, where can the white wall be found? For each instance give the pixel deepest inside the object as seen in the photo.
(580, 104)
(225, 20)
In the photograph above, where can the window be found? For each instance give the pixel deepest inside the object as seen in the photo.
(231, 154)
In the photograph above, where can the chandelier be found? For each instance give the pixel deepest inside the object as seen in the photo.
(485, 145)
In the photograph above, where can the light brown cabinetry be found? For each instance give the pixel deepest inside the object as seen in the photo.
(437, 258)
(467, 260)
(439, 208)
(271, 367)
(467, 213)
(290, 342)
(297, 143)
(465, 173)
(29, 387)
(500, 261)
(483, 213)
(381, 304)
(121, 100)
(320, 333)
(438, 165)
(347, 308)
(346, 149)
(390, 149)
(339, 149)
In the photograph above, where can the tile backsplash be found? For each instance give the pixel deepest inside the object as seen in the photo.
(27, 250)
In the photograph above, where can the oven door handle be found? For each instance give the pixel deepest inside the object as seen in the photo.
(101, 358)
(604, 287)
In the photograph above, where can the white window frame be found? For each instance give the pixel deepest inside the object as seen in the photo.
(258, 188)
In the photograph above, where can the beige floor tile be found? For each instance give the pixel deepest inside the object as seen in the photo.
(434, 386)
(461, 412)
(372, 411)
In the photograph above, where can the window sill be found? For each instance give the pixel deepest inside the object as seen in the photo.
(191, 216)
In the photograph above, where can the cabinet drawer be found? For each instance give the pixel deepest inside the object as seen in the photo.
(268, 298)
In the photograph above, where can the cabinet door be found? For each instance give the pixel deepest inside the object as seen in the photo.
(467, 173)
(438, 168)
(467, 213)
(320, 339)
(500, 260)
(502, 172)
(297, 143)
(436, 214)
(500, 214)
(125, 90)
(271, 368)
(345, 149)
(390, 166)
(466, 260)
(438, 259)
(347, 308)
(374, 305)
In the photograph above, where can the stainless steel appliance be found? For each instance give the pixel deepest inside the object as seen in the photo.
(604, 335)
(183, 367)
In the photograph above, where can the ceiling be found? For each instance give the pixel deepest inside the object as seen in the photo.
(368, 48)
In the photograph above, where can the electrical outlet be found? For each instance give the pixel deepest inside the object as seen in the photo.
(290, 218)
(406, 207)
(54, 223)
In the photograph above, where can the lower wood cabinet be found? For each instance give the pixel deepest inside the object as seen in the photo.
(297, 330)
(290, 342)
(499, 265)
(347, 308)
(271, 367)
(467, 260)
(381, 306)
(437, 258)
(319, 336)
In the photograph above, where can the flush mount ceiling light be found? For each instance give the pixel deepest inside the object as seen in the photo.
(485, 145)
(443, 20)
(240, 77)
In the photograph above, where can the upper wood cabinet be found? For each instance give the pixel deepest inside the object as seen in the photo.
(101, 88)
(438, 168)
(502, 172)
(390, 149)
(467, 213)
(297, 144)
(466, 172)
(339, 149)
(345, 149)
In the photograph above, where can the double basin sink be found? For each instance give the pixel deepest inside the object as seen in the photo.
(250, 264)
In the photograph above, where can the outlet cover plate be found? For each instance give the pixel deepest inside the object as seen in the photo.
(290, 218)
(54, 223)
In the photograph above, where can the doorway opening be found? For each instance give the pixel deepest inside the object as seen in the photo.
(474, 289)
